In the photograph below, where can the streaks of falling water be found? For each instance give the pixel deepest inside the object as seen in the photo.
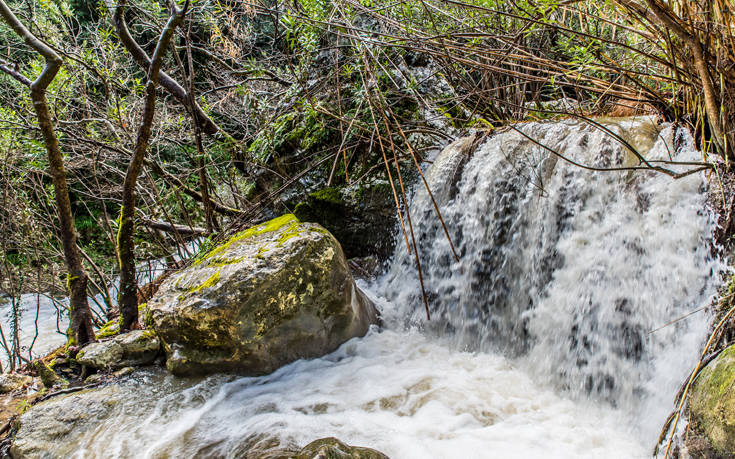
(565, 269)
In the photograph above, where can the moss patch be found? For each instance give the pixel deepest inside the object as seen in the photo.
(331, 195)
(267, 227)
(111, 328)
(713, 402)
(210, 282)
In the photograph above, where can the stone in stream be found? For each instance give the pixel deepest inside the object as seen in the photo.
(137, 347)
(712, 408)
(331, 448)
(12, 381)
(49, 429)
(272, 294)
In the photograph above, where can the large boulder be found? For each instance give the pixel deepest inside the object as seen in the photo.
(712, 408)
(270, 295)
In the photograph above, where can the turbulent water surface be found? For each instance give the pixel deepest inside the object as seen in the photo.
(542, 340)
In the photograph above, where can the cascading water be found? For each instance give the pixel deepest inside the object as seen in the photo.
(542, 340)
(567, 270)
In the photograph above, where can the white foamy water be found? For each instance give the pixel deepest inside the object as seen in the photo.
(540, 343)
(569, 271)
(401, 393)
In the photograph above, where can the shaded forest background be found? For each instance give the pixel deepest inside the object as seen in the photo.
(257, 104)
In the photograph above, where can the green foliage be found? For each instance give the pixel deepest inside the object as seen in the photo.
(295, 132)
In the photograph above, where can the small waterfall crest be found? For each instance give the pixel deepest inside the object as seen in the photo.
(566, 270)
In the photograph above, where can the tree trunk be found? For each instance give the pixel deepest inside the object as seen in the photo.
(79, 313)
(128, 295)
(666, 15)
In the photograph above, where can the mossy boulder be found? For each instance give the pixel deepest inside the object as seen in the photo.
(362, 218)
(137, 347)
(712, 408)
(48, 376)
(272, 294)
(331, 448)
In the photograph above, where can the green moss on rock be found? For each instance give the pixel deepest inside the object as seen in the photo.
(267, 227)
(49, 378)
(712, 403)
(111, 328)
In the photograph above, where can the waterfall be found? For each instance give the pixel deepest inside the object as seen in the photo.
(568, 271)
(555, 335)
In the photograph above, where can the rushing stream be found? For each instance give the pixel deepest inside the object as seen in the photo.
(545, 339)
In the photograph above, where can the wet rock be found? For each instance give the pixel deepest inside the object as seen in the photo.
(95, 378)
(123, 372)
(12, 381)
(446, 171)
(45, 429)
(331, 448)
(362, 218)
(137, 347)
(712, 407)
(105, 354)
(270, 295)
(140, 347)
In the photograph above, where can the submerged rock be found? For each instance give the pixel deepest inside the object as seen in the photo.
(712, 406)
(45, 430)
(137, 347)
(331, 448)
(270, 295)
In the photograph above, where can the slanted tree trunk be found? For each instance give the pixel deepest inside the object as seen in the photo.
(128, 295)
(79, 312)
(711, 96)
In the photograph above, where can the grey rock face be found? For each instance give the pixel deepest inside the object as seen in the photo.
(43, 427)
